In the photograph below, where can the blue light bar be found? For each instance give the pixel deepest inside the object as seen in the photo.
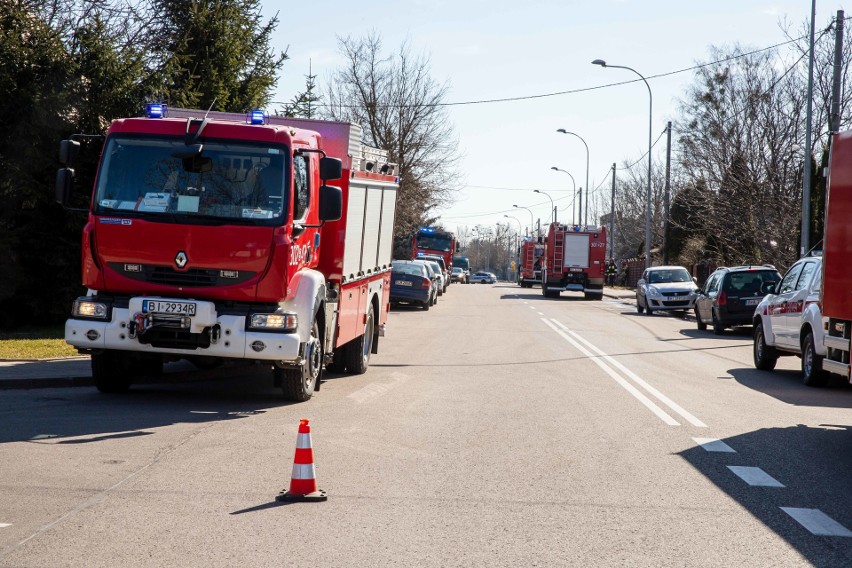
(156, 110)
(427, 230)
(256, 116)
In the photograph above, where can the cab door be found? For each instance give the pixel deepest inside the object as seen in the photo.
(704, 302)
(796, 302)
(781, 304)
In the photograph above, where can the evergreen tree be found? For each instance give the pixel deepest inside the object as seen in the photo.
(215, 53)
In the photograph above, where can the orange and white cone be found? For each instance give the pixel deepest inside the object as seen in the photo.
(303, 483)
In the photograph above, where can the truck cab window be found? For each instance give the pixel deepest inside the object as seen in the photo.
(301, 187)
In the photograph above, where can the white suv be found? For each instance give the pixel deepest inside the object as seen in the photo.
(788, 321)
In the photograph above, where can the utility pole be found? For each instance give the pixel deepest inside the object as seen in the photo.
(838, 59)
(808, 174)
(612, 216)
(580, 206)
(668, 192)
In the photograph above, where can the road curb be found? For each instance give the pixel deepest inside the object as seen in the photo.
(46, 383)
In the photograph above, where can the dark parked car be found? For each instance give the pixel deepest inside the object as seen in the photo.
(731, 294)
(412, 283)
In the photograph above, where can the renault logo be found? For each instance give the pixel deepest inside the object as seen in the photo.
(180, 259)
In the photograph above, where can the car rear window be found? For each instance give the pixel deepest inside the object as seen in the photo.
(412, 269)
(748, 282)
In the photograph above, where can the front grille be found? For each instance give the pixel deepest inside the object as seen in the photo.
(192, 277)
(174, 339)
(675, 294)
(676, 304)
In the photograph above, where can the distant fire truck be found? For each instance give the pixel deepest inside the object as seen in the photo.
(575, 260)
(434, 241)
(532, 258)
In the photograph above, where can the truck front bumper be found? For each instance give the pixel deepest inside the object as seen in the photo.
(207, 334)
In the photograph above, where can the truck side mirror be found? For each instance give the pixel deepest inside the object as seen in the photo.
(64, 178)
(330, 168)
(330, 203)
(68, 151)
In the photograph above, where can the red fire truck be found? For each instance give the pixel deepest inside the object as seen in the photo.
(214, 236)
(835, 299)
(575, 260)
(434, 241)
(532, 259)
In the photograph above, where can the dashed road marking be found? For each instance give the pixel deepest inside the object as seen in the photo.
(4, 525)
(714, 445)
(817, 522)
(755, 476)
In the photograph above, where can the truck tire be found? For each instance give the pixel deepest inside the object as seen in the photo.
(812, 373)
(593, 295)
(698, 323)
(357, 354)
(765, 357)
(298, 385)
(109, 373)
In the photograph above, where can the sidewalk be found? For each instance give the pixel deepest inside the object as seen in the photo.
(52, 373)
(620, 293)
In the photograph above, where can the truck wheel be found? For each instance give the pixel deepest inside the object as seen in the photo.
(765, 357)
(698, 323)
(358, 350)
(298, 385)
(812, 373)
(109, 374)
(592, 296)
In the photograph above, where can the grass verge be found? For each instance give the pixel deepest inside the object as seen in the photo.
(38, 343)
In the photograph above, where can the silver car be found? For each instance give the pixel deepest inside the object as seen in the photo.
(665, 288)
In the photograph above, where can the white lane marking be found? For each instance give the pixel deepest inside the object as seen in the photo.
(659, 412)
(755, 476)
(4, 525)
(817, 522)
(203, 412)
(44, 436)
(714, 445)
(533, 308)
(638, 380)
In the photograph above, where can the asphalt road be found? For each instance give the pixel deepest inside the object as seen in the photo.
(498, 429)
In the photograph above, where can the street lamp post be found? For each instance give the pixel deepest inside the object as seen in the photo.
(580, 220)
(603, 63)
(573, 199)
(552, 205)
(517, 241)
(532, 221)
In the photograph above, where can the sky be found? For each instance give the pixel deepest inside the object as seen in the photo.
(501, 49)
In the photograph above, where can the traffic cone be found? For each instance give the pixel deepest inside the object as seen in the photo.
(303, 483)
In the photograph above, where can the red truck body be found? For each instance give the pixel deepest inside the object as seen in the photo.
(836, 289)
(177, 265)
(575, 260)
(531, 263)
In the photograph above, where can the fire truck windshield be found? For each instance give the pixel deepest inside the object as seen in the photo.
(433, 241)
(228, 181)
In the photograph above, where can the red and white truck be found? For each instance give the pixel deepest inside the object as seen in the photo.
(532, 259)
(809, 313)
(433, 241)
(575, 260)
(214, 236)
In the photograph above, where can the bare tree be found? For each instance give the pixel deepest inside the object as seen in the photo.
(399, 105)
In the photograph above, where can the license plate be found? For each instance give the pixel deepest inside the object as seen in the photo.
(402, 283)
(165, 307)
(753, 302)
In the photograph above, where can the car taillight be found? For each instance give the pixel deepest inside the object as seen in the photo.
(426, 283)
(722, 298)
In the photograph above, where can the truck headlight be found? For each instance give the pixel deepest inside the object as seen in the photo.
(88, 308)
(274, 322)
